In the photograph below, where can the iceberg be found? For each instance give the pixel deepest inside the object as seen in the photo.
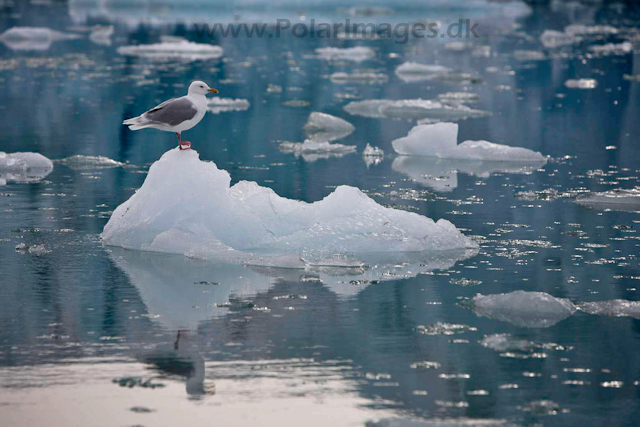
(356, 54)
(440, 140)
(363, 78)
(613, 308)
(372, 155)
(23, 167)
(187, 206)
(80, 161)
(311, 150)
(581, 84)
(217, 105)
(170, 48)
(33, 38)
(524, 309)
(552, 39)
(622, 200)
(325, 127)
(413, 109)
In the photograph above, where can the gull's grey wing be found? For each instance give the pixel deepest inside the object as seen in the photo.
(172, 112)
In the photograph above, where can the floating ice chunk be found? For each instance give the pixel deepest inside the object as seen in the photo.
(590, 29)
(458, 46)
(325, 127)
(23, 167)
(80, 161)
(372, 155)
(625, 200)
(461, 97)
(612, 48)
(439, 140)
(552, 39)
(613, 308)
(33, 38)
(442, 174)
(529, 55)
(173, 49)
(581, 83)
(38, 250)
(217, 105)
(438, 422)
(356, 54)
(505, 342)
(416, 72)
(101, 34)
(365, 78)
(412, 109)
(311, 150)
(370, 11)
(186, 205)
(524, 309)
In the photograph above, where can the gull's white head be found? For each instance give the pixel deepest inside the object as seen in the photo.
(200, 88)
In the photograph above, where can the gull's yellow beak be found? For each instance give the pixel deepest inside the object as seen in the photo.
(213, 90)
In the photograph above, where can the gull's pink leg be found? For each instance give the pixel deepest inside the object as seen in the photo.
(183, 145)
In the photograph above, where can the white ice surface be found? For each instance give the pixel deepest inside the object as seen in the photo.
(624, 200)
(173, 49)
(440, 140)
(613, 308)
(186, 206)
(325, 127)
(372, 155)
(33, 38)
(23, 167)
(412, 109)
(524, 309)
(355, 54)
(217, 105)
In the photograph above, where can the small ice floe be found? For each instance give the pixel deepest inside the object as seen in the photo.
(370, 11)
(506, 342)
(311, 150)
(23, 248)
(581, 83)
(413, 109)
(552, 39)
(213, 220)
(101, 34)
(438, 422)
(462, 97)
(80, 161)
(217, 105)
(359, 77)
(33, 38)
(410, 72)
(524, 309)
(173, 48)
(529, 55)
(579, 29)
(23, 167)
(613, 308)
(440, 140)
(622, 200)
(612, 48)
(372, 155)
(355, 54)
(325, 127)
(458, 46)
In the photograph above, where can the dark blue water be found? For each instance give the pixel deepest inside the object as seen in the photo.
(90, 333)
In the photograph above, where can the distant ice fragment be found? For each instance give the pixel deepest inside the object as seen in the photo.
(359, 77)
(415, 72)
(581, 83)
(213, 220)
(552, 39)
(173, 50)
(33, 38)
(529, 55)
(23, 167)
(620, 199)
(217, 105)
(372, 155)
(101, 34)
(440, 140)
(355, 54)
(80, 161)
(590, 29)
(462, 97)
(612, 48)
(524, 309)
(311, 150)
(325, 127)
(613, 308)
(370, 11)
(506, 342)
(413, 109)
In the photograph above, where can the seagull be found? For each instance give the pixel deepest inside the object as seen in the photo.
(177, 114)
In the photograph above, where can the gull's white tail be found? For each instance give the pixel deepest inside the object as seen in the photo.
(136, 123)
